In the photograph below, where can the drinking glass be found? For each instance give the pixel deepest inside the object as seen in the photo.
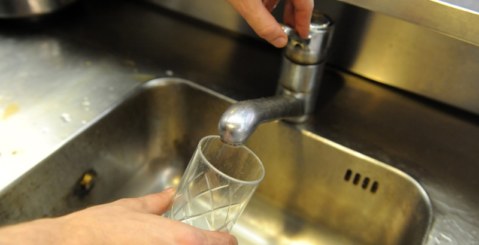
(217, 185)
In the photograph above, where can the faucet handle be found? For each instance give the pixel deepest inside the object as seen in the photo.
(311, 50)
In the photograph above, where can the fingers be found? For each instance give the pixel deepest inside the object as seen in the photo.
(220, 238)
(261, 20)
(177, 232)
(186, 234)
(297, 13)
(303, 10)
(157, 203)
(288, 15)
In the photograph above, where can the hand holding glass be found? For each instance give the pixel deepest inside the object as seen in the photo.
(217, 185)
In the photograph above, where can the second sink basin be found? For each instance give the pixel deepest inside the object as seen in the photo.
(314, 192)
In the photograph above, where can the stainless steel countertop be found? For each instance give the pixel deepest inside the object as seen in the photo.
(60, 73)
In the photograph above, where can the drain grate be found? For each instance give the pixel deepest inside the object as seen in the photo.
(364, 182)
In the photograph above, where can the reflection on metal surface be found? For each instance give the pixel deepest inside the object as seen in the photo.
(30, 8)
(33, 120)
(471, 6)
(414, 135)
(208, 10)
(408, 57)
(387, 49)
(450, 21)
(241, 119)
(143, 145)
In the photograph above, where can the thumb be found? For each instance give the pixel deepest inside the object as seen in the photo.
(157, 203)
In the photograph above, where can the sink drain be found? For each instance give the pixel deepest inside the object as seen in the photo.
(364, 182)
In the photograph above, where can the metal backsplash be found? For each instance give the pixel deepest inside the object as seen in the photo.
(457, 18)
(382, 48)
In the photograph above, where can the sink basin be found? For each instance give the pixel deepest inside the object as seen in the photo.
(314, 192)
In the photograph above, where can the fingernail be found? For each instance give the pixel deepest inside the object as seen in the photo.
(280, 42)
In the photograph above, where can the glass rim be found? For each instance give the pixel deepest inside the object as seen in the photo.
(245, 182)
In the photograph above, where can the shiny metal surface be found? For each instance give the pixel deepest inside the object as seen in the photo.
(464, 5)
(212, 11)
(33, 120)
(30, 8)
(383, 48)
(437, 145)
(298, 85)
(299, 78)
(303, 61)
(455, 22)
(241, 119)
(409, 57)
(314, 49)
(143, 145)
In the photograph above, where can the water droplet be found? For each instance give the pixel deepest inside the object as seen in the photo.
(85, 101)
(45, 130)
(169, 73)
(66, 117)
(83, 122)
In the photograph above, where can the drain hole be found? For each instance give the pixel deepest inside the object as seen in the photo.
(348, 174)
(374, 187)
(365, 183)
(356, 179)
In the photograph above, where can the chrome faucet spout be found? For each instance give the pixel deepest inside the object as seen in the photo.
(241, 119)
(302, 67)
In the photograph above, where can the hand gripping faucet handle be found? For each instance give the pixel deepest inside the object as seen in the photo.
(302, 66)
(303, 63)
(312, 50)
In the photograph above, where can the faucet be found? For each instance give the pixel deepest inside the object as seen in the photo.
(301, 70)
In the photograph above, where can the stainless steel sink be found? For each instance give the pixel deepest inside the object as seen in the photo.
(315, 191)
